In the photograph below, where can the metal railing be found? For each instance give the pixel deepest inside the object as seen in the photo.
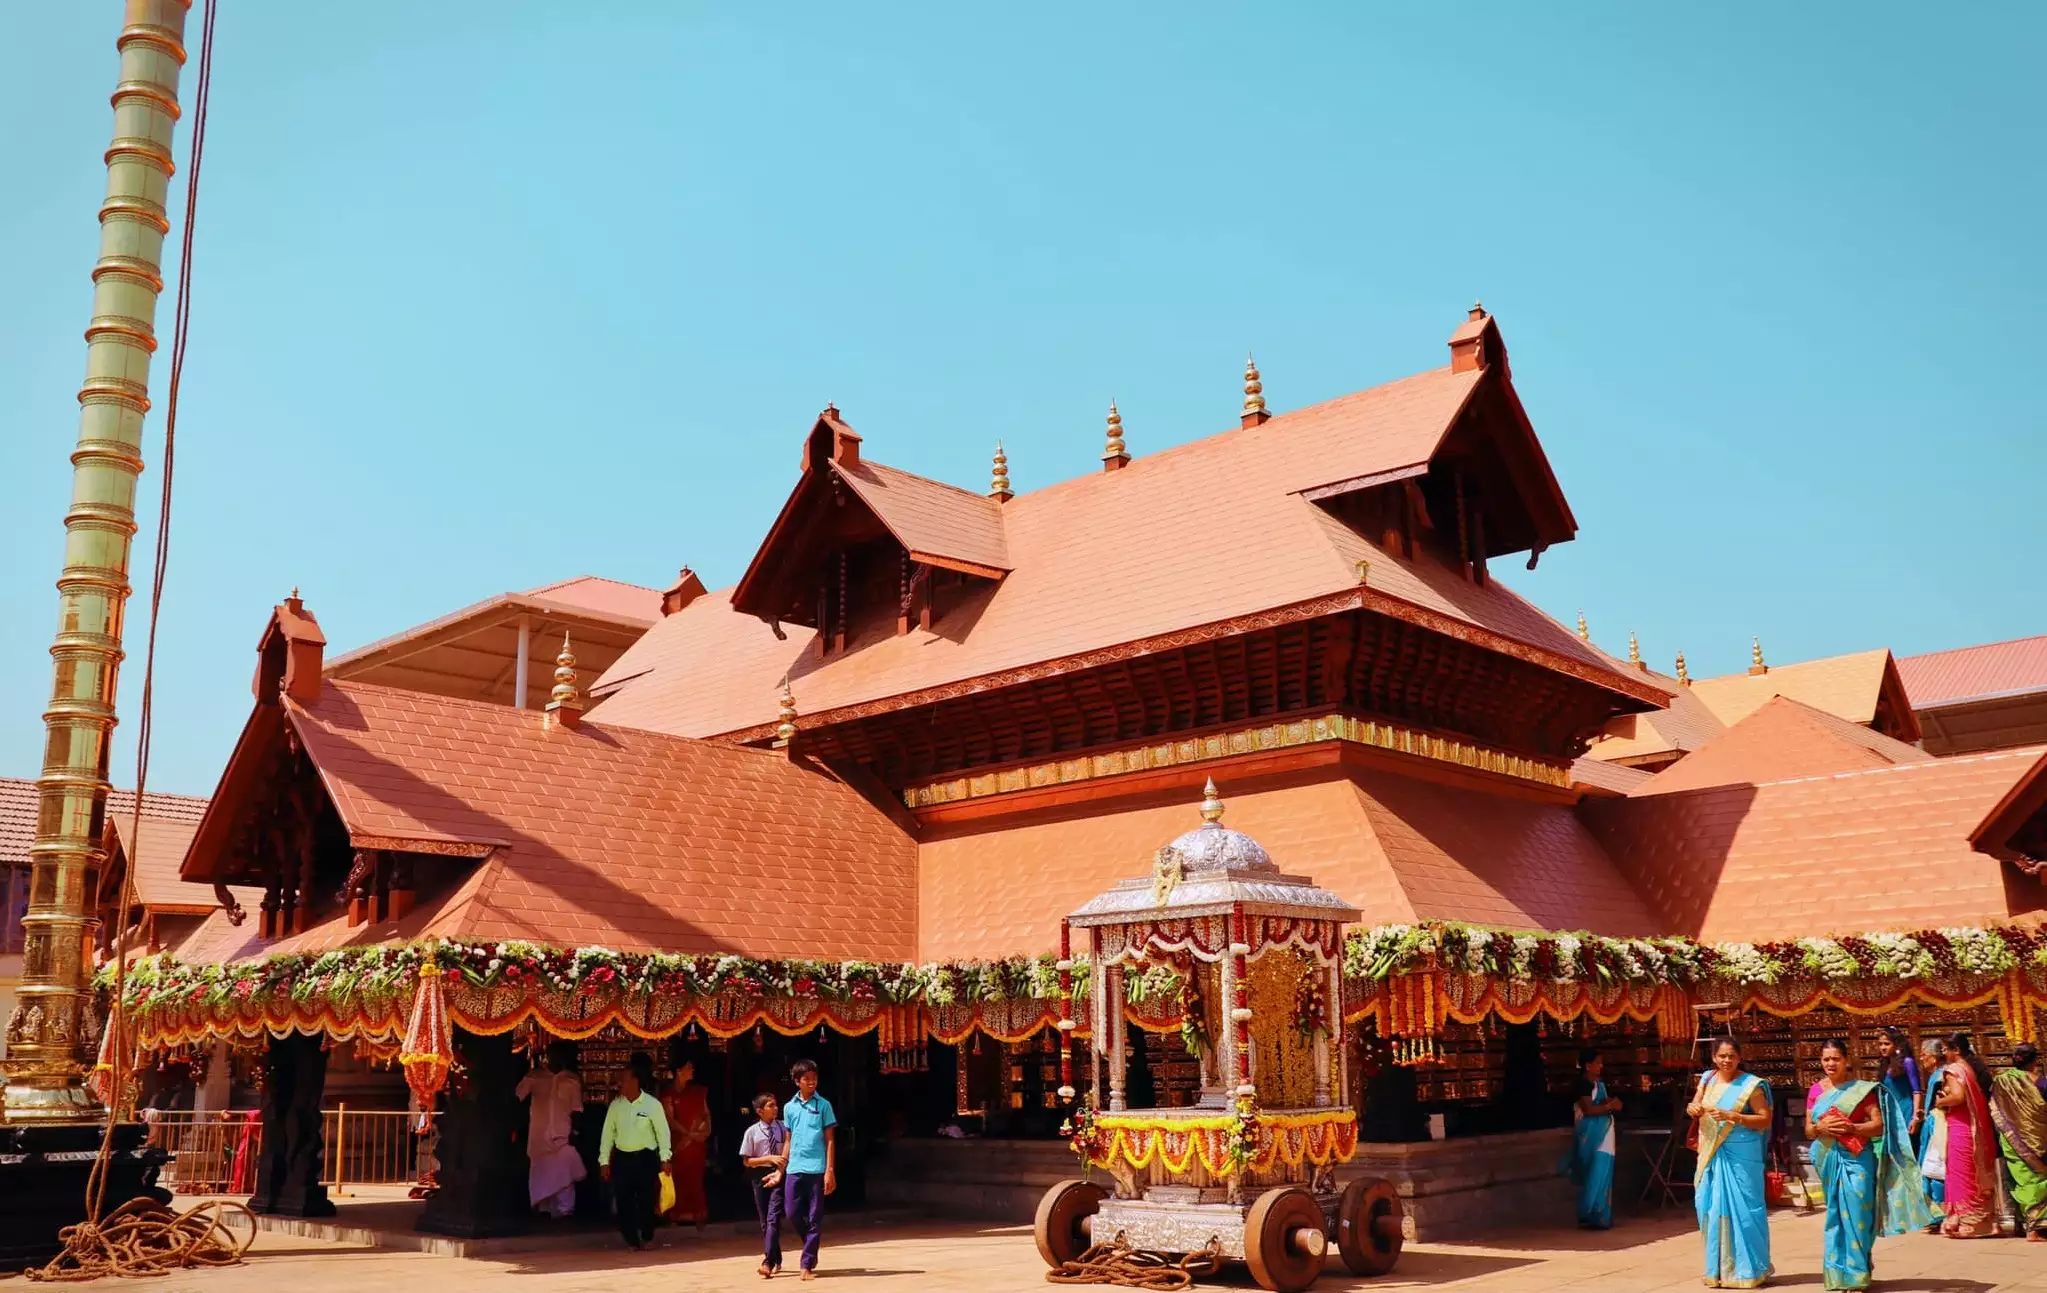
(217, 1153)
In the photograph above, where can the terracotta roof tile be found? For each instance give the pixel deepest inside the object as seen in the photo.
(1224, 532)
(1400, 848)
(1880, 848)
(1975, 673)
(1845, 685)
(614, 836)
(1685, 726)
(163, 842)
(18, 806)
(1781, 740)
(610, 596)
(1597, 776)
(931, 518)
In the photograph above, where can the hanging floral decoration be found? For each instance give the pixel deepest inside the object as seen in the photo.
(1311, 1008)
(1385, 951)
(1224, 1143)
(369, 991)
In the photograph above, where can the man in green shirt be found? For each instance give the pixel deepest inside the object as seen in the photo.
(636, 1135)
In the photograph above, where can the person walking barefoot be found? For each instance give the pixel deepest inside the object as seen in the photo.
(812, 1169)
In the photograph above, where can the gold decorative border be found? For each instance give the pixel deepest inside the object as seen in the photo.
(1250, 740)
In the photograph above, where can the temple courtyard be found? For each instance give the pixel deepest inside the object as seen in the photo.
(1643, 1254)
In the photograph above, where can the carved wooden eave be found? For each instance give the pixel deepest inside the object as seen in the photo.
(2015, 829)
(1631, 694)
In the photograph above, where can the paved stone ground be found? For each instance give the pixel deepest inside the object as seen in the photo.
(1641, 1255)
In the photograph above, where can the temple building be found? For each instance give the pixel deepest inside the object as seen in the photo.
(166, 907)
(927, 721)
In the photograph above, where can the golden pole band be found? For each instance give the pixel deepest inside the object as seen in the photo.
(45, 1060)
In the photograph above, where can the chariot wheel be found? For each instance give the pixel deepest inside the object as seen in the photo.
(1064, 1221)
(1368, 1230)
(1285, 1239)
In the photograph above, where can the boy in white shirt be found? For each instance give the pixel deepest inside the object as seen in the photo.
(764, 1149)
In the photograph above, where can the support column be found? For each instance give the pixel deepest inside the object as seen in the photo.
(482, 1150)
(46, 1069)
(1112, 1020)
(294, 1139)
(519, 665)
(1338, 1031)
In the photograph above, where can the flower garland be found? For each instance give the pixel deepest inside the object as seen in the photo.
(385, 974)
(1385, 951)
(1311, 1008)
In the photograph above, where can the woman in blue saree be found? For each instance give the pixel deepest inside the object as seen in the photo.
(1843, 1117)
(1590, 1165)
(1733, 1109)
(1902, 1198)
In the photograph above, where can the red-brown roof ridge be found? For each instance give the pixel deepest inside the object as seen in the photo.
(1783, 740)
(1982, 672)
(598, 834)
(1257, 546)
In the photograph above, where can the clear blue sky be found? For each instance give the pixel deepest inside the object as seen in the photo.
(490, 297)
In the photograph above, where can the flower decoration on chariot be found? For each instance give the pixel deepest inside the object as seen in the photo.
(1168, 868)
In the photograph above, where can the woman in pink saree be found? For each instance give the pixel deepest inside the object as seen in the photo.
(1971, 1145)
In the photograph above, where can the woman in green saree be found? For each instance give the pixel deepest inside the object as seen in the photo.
(2020, 1114)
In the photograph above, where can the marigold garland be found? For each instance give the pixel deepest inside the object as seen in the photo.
(1224, 1143)
(362, 989)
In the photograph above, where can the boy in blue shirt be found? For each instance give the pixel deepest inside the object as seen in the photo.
(810, 1161)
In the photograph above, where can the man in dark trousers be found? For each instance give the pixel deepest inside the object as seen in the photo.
(811, 1171)
(634, 1146)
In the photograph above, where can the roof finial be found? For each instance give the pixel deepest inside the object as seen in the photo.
(998, 482)
(1584, 633)
(1477, 310)
(1211, 804)
(1114, 454)
(565, 702)
(1635, 650)
(1682, 676)
(785, 728)
(1755, 657)
(294, 593)
(1254, 394)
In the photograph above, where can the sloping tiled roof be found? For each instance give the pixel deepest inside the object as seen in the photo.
(1194, 535)
(627, 606)
(1782, 740)
(1400, 848)
(1600, 777)
(163, 842)
(610, 836)
(1845, 685)
(1685, 726)
(1880, 848)
(1975, 673)
(18, 806)
(610, 596)
(930, 519)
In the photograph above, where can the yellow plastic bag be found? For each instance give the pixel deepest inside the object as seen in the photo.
(667, 1194)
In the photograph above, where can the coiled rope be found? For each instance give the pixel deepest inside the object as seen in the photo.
(142, 1237)
(1118, 1264)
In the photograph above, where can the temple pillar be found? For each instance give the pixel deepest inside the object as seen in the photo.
(482, 1149)
(288, 1175)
